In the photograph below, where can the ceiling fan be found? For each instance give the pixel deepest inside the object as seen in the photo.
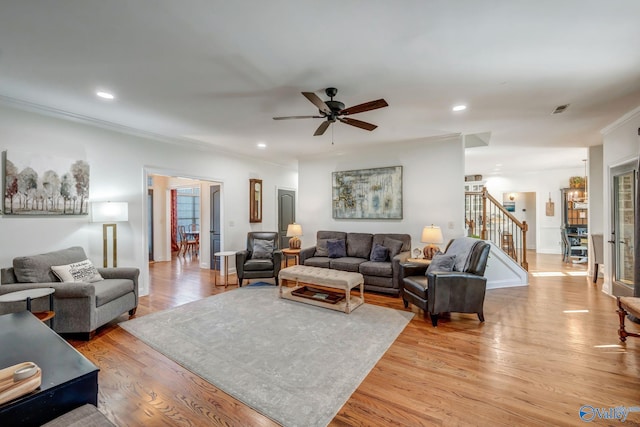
(333, 110)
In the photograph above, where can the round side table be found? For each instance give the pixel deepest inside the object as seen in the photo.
(288, 252)
(29, 294)
(219, 255)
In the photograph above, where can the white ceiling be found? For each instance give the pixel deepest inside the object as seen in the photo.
(216, 72)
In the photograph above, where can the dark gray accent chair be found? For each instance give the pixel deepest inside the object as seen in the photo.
(441, 292)
(248, 268)
(80, 307)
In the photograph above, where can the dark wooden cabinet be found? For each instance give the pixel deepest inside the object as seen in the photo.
(574, 209)
(69, 379)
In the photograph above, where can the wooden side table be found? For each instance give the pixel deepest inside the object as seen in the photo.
(419, 261)
(288, 252)
(29, 294)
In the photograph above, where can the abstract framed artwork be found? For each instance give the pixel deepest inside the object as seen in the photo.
(44, 185)
(367, 193)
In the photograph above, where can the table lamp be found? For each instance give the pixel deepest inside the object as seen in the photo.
(294, 231)
(432, 235)
(109, 213)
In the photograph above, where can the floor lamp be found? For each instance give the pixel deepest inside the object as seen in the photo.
(109, 213)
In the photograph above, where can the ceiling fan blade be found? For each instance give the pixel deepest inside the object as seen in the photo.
(297, 117)
(358, 123)
(367, 106)
(315, 99)
(322, 128)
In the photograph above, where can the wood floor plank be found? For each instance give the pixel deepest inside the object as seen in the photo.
(530, 363)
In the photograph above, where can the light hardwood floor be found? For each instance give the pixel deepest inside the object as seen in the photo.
(530, 363)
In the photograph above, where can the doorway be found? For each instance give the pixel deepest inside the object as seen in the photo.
(286, 214)
(214, 220)
(150, 224)
(623, 202)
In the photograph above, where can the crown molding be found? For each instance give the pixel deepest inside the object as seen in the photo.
(126, 130)
(621, 121)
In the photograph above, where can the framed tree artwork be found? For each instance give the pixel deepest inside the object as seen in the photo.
(36, 184)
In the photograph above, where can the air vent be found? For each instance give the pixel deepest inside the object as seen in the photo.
(560, 109)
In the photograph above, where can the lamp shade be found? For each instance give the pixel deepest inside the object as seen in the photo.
(294, 230)
(109, 211)
(432, 234)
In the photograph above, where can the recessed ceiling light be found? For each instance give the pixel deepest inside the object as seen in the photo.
(262, 145)
(105, 95)
(459, 108)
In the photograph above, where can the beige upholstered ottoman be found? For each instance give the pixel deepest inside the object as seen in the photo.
(336, 279)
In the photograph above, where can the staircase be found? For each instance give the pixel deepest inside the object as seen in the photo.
(487, 219)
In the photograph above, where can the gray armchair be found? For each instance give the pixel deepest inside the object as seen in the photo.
(252, 263)
(80, 307)
(440, 292)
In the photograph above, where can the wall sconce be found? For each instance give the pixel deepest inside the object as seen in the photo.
(512, 197)
(294, 231)
(109, 213)
(432, 235)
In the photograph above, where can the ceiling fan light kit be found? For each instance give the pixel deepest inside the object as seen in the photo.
(334, 110)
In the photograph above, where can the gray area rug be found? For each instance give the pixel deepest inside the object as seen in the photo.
(295, 363)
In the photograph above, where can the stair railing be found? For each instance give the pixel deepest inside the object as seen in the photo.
(487, 219)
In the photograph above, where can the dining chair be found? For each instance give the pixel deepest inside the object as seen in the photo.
(187, 244)
(571, 250)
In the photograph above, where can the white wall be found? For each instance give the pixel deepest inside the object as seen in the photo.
(544, 184)
(433, 189)
(118, 163)
(621, 145)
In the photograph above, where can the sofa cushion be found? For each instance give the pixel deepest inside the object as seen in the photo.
(321, 240)
(321, 247)
(262, 249)
(37, 268)
(258, 265)
(379, 253)
(373, 268)
(441, 262)
(346, 263)
(359, 245)
(318, 261)
(337, 248)
(83, 271)
(394, 246)
(111, 289)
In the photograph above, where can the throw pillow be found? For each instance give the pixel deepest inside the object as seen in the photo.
(321, 248)
(441, 262)
(379, 253)
(337, 248)
(82, 271)
(262, 249)
(394, 246)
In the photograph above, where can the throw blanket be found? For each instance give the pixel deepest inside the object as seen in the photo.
(462, 248)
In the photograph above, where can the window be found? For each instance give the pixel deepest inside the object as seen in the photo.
(188, 207)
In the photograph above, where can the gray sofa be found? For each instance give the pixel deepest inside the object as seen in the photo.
(379, 276)
(80, 307)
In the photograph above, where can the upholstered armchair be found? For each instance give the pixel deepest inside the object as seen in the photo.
(438, 292)
(261, 259)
